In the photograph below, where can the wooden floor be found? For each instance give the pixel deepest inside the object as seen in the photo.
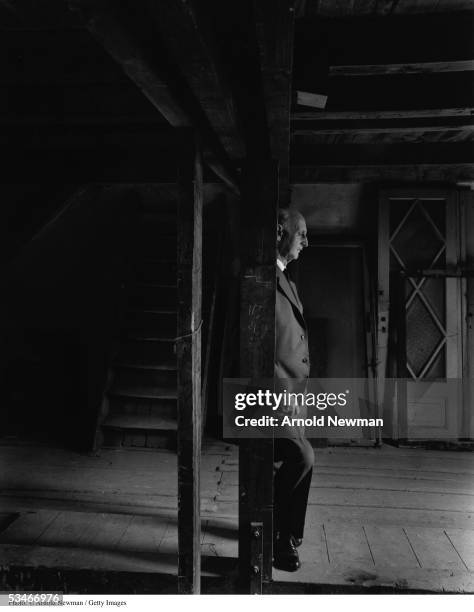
(396, 519)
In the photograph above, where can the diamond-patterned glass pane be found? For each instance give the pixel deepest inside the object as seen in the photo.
(434, 291)
(398, 209)
(394, 263)
(437, 369)
(436, 209)
(417, 242)
(423, 335)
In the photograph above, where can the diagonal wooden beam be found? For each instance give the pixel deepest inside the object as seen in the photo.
(186, 34)
(104, 24)
(136, 48)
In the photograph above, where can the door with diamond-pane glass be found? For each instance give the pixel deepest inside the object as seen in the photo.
(418, 250)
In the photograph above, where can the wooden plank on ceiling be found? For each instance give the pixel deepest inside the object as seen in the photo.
(393, 173)
(405, 68)
(429, 112)
(319, 126)
(388, 136)
(187, 36)
(343, 8)
(399, 40)
(373, 154)
(400, 92)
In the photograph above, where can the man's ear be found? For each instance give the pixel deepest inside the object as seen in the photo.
(279, 232)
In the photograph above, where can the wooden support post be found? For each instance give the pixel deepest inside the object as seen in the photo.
(256, 558)
(275, 28)
(188, 349)
(257, 354)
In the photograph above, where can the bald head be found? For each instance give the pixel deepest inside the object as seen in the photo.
(291, 234)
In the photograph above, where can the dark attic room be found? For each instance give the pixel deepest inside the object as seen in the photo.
(200, 197)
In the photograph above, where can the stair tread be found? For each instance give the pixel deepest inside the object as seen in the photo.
(130, 338)
(168, 367)
(166, 311)
(143, 392)
(126, 421)
(149, 337)
(151, 285)
(154, 260)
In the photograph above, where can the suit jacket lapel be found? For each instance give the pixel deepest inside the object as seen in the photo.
(290, 293)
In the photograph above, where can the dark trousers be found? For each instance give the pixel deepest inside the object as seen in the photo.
(291, 485)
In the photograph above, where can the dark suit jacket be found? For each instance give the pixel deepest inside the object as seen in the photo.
(292, 353)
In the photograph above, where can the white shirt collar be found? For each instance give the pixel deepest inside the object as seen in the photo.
(281, 265)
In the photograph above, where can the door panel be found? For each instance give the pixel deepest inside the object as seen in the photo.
(418, 246)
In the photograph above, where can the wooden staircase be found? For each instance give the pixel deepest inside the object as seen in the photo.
(140, 405)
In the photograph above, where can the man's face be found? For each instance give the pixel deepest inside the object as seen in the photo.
(293, 238)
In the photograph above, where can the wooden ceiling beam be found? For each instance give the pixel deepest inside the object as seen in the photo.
(399, 92)
(378, 129)
(320, 123)
(404, 68)
(381, 7)
(375, 154)
(187, 36)
(417, 40)
(299, 116)
(404, 128)
(139, 53)
(394, 173)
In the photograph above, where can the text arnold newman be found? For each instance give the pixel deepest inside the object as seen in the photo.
(314, 421)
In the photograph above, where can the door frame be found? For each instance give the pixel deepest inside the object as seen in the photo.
(389, 397)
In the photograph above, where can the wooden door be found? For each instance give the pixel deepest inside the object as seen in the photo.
(334, 288)
(420, 335)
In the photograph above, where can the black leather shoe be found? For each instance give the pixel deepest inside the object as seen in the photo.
(297, 541)
(285, 555)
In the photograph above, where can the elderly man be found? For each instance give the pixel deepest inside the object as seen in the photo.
(293, 478)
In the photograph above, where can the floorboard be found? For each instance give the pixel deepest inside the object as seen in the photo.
(400, 519)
